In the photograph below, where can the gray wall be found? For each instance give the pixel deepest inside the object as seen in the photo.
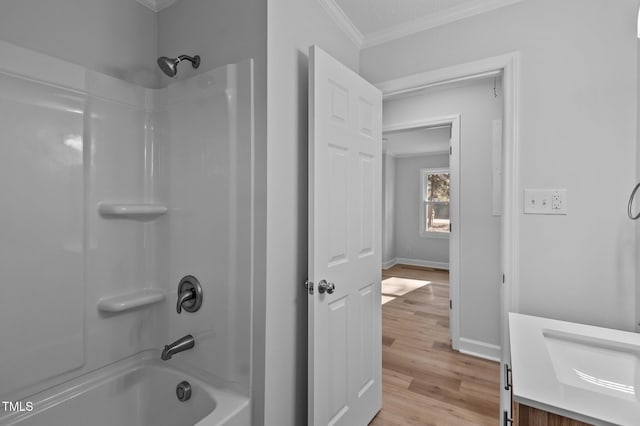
(294, 25)
(577, 115)
(388, 210)
(637, 233)
(114, 37)
(409, 244)
(479, 236)
(221, 32)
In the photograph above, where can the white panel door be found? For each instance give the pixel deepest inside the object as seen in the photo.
(345, 190)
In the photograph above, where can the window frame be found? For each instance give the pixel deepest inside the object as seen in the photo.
(422, 217)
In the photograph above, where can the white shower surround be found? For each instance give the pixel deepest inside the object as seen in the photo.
(74, 138)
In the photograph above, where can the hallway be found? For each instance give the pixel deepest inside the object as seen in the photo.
(424, 381)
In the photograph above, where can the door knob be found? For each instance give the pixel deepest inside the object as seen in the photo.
(325, 286)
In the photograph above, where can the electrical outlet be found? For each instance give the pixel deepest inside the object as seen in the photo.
(545, 201)
(559, 201)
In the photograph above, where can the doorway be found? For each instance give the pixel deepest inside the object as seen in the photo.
(508, 66)
(421, 166)
(475, 109)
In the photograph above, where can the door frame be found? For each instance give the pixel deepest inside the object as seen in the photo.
(509, 65)
(454, 197)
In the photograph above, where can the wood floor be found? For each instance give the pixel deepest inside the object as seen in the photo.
(424, 382)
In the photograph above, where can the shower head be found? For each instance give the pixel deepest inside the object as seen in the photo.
(169, 66)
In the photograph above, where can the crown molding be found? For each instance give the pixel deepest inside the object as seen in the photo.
(342, 20)
(156, 5)
(444, 17)
(418, 154)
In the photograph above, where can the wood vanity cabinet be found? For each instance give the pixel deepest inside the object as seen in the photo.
(523, 415)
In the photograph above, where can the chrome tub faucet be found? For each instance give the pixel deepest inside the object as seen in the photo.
(180, 345)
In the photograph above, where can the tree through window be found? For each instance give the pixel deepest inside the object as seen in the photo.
(435, 186)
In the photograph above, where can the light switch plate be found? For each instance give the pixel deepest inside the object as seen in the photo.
(545, 201)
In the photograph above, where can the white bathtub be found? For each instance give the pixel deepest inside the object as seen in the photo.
(140, 391)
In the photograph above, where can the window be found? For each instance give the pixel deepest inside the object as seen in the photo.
(434, 209)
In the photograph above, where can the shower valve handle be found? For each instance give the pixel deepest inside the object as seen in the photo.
(184, 297)
(189, 294)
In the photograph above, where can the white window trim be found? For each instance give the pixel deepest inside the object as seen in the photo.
(422, 219)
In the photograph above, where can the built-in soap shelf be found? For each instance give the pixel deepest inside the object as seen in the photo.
(127, 301)
(132, 211)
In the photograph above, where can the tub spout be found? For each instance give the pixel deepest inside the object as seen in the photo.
(182, 344)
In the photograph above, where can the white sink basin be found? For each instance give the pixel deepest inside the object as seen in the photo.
(594, 364)
(587, 373)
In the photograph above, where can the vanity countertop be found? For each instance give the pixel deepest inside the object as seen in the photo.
(575, 370)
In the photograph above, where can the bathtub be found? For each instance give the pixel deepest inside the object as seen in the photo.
(140, 391)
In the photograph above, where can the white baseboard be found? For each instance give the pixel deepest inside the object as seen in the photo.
(480, 349)
(423, 263)
(389, 263)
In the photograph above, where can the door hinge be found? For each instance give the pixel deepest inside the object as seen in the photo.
(309, 286)
(450, 226)
(502, 278)
(506, 418)
(507, 377)
(450, 150)
(450, 304)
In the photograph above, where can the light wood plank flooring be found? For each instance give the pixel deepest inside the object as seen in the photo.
(424, 382)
